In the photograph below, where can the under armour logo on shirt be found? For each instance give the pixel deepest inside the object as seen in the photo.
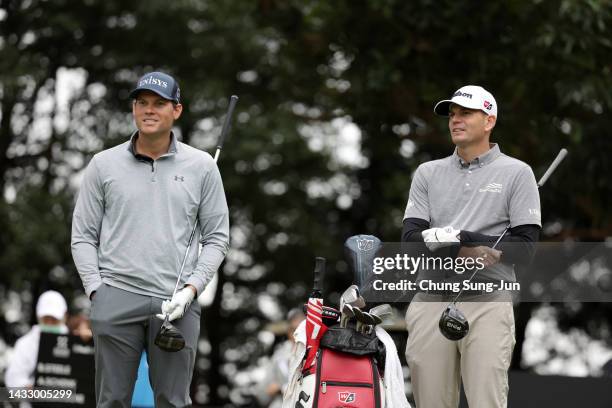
(179, 178)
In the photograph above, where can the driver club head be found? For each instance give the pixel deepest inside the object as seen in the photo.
(169, 338)
(382, 311)
(453, 324)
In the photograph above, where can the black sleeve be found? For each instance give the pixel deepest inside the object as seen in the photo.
(413, 228)
(517, 246)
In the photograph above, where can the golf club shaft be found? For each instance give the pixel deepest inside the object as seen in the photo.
(224, 131)
(226, 125)
(553, 166)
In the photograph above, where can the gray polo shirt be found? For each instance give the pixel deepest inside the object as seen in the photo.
(133, 218)
(484, 196)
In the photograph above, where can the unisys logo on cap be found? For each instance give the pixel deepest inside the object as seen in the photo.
(151, 80)
(160, 83)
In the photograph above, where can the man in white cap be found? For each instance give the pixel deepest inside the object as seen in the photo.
(51, 314)
(459, 206)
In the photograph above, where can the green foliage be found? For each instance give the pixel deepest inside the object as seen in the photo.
(297, 67)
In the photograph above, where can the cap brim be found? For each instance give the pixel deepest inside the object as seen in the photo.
(135, 92)
(442, 108)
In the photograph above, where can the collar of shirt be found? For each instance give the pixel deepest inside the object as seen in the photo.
(172, 149)
(479, 161)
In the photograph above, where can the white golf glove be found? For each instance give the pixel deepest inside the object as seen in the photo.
(176, 308)
(436, 238)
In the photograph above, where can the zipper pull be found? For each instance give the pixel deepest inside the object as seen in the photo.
(323, 387)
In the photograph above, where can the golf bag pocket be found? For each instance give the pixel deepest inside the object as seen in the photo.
(349, 341)
(342, 381)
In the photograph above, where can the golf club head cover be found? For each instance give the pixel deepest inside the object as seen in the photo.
(360, 251)
(169, 338)
(176, 307)
(453, 323)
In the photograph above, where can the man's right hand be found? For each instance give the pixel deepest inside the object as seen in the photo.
(488, 256)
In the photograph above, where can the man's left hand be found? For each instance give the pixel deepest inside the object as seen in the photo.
(436, 238)
(177, 306)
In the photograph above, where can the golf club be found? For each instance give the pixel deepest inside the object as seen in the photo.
(169, 338)
(360, 251)
(364, 320)
(453, 324)
(347, 314)
(380, 313)
(350, 296)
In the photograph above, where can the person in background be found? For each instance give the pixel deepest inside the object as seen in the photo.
(51, 314)
(79, 325)
(276, 375)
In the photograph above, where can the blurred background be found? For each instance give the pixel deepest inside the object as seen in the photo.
(335, 113)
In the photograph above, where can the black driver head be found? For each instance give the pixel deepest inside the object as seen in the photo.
(453, 323)
(169, 338)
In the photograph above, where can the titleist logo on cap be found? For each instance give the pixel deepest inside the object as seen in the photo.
(153, 81)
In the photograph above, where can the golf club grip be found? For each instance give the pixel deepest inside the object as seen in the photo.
(228, 119)
(553, 166)
(319, 270)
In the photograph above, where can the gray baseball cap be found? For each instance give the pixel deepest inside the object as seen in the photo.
(162, 84)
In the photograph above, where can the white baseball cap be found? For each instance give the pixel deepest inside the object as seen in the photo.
(51, 303)
(469, 96)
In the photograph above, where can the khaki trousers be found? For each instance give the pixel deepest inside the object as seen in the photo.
(481, 359)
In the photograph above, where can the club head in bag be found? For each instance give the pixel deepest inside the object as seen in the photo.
(347, 314)
(453, 323)
(381, 311)
(350, 295)
(360, 251)
(169, 338)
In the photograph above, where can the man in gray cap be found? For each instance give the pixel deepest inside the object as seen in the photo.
(136, 208)
(459, 206)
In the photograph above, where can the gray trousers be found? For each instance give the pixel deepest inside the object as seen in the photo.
(123, 324)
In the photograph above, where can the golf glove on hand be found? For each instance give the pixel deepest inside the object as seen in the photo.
(436, 238)
(175, 308)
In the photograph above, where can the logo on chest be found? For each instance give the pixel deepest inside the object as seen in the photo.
(179, 178)
(491, 188)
